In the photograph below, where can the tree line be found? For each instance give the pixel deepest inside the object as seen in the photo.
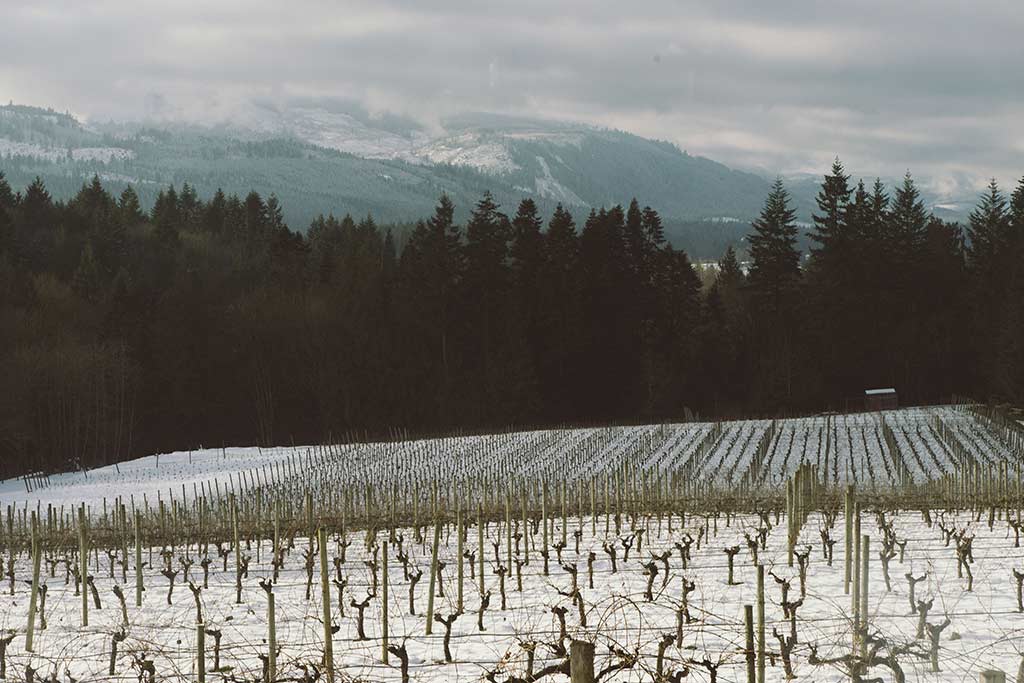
(210, 321)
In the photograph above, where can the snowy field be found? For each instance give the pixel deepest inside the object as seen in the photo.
(846, 449)
(693, 616)
(985, 627)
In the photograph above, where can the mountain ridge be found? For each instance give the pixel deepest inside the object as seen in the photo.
(340, 159)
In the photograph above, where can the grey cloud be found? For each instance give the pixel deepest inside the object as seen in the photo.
(937, 86)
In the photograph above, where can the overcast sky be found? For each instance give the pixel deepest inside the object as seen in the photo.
(934, 86)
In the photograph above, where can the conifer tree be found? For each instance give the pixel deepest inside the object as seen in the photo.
(1010, 347)
(7, 206)
(432, 271)
(990, 254)
(559, 315)
(526, 254)
(730, 278)
(526, 264)
(130, 208)
(834, 279)
(989, 231)
(87, 281)
(634, 241)
(1017, 212)
(775, 261)
(8, 200)
(772, 282)
(908, 219)
(215, 214)
(829, 222)
(486, 288)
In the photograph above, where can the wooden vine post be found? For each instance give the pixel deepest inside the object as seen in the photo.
(201, 652)
(508, 529)
(544, 523)
(462, 572)
(384, 600)
(138, 559)
(33, 599)
(83, 561)
(760, 625)
(271, 637)
(433, 576)
(848, 555)
(865, 555)
(790, 521)
(480, 547)
(581, 662)
(748, 628)
(238, 552)
(325, 588)
(855, 597)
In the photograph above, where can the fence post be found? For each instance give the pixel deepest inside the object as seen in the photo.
(748, 627)
(760, 625)
(37, 552)
(271, 638)
(992, 676)
(848, 554)
(201, 653)
(384, 602)
(83, 561)
(433, 576)
(581, 662)
(238, 552)
(865, 556)
(138, 559)
(325, 584)
(459, 603)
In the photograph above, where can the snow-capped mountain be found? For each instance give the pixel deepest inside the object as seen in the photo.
(321, 158)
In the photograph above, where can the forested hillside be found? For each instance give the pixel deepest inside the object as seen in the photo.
(210, 320)
(319, 162)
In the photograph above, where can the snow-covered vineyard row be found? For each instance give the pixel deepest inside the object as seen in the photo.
(488, 558)
(652, 614)
(870, 450)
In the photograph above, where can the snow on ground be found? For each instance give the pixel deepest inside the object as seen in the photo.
(855, 452)
(468, 149)
(10, 148)
(985, 628)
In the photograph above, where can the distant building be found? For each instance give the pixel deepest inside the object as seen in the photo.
(880, 399)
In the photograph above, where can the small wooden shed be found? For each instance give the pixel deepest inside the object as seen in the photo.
(881, 399)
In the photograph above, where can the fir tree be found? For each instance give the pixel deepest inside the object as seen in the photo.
(829, 224)
(130, 208)
(87, 282)
(1017, 211)
(990, 254)
(432, 267)
(8, 200)
(772, 282)
(526, 252)
(7, 206)
(775, 261)
(486, 289)
(526, 256)
(908, 219)
(559, 314)
(989, 229)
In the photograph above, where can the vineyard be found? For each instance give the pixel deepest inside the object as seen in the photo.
(875, 546)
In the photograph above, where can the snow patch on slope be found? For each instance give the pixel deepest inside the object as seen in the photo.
(10, 148)
(469, 149)
(345, 133)
(548, 187)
